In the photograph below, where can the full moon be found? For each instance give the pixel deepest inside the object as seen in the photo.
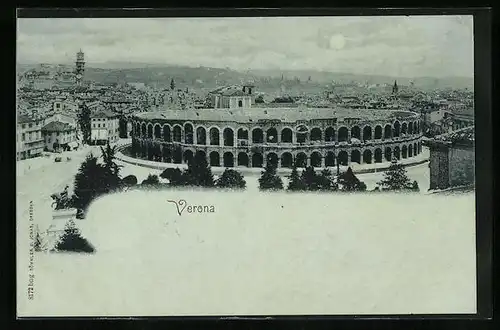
(337, 41)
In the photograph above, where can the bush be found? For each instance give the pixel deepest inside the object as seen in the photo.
(231, 179)
(269, 180)
(151, 180)
(72, 241)
(349, 182)
(294, 181)
(129, 180)
(174, 176)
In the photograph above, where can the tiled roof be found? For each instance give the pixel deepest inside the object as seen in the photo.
(104, 114)
(57, 126)
(461, 136)
(233, 90)
(23, 119)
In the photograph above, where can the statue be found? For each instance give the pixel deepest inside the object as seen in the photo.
(61, 200)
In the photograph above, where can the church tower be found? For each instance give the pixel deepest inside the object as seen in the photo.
(79, 67)
(395, 88)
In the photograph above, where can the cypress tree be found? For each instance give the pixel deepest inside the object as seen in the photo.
(395, 178)
(269, 180)
(294, 181)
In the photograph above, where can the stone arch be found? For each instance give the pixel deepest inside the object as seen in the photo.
(356, 132)
(330, 134)
(397, 129)
(177, 133)
(410, 150)
(137, 129)
(257, 160)
(157, 131)
(143, 130)
(242, 133)
(387, 132)
(301, 133)
(214, 158)
(355, 156)
(330, 159)
(272, 158)
(367, 133)
(177, 155)
(404, 128)
(388, 154)
(378, 132)
(343, 134)
(404, 152)
(243, 159)
(397, 152)
(188, 156)
(286, 160)
(214, 136)
(343, 158)
(410, 128)
(301, 160)
(201, 135)
(377, 155)
(167, 134)
(228, 136)
(167, 154)
(367, 156)
(316, 159)
(188, 133)
(257, 136)
(286, 135)
(228, 159)
(150, 131)
(415, 149)
(419, 147)
(316, 134)
(272, 135)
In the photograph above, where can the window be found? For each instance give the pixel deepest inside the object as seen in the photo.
(24, 137)
(240, 103)
(99, 125)
(30, 125)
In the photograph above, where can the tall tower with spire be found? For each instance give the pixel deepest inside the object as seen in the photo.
(79, 67)
(395, 88)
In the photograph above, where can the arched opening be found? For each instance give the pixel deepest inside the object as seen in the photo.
(272, 135)
(410, 128)
(388, 154)
(410, 151)
(177, 157)
(356, 157)
(330, 159)
(201, 136)
(214, 158)
(188, 156)
(378, 132)
(378, 155)
(316, 134)
(257, 160)
(188, 133)
(137, 130)
(228, 159)
(397, 153)
(167, 155)
(415, 149)
(301, 134)
(301, 160)
(343, 158)
(167, 134)
(367, 133)
(387, 132)
(150, 131)
(367, 156)
(397, 129)
(200, 154)
(157, 132)
(144, 131)
(240, 103)
(286, 135)
(316, 159)
(286, 160)
(356, 133)
(257, 136)
(214, 136)
(243, 159)
(404, 152)
(228, 135)
(404, 129)
(150, 152)
(177, 133)
(343, 134)
(330, 134)
(242, 134)
(272, 159)
(419, 147)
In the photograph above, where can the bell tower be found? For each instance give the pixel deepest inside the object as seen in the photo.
(79, 67)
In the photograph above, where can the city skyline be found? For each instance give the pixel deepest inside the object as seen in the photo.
(416, 46)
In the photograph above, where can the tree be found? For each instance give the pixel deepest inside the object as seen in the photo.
(174, 176)
(84, 123)
(39, 243)
(309, 178)
(294, 181)
(112, 170)
(72, 241)
(151, 180)
(129, 180)
(269, 180)
(325, 181)
(231, 179)
(122, 127)
(349, 182)
(172, 84)
(199, 172)
(395, 178)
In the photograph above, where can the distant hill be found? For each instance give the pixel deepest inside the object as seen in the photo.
(266, 80)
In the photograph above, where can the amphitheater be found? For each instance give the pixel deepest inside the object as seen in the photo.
(254, 136)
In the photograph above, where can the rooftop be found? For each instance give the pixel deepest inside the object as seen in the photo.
(23, 119)
(244, 115)
(104, 114)
(57, 126)
(464, 136)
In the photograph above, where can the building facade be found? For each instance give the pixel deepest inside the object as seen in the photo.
(57, 134)
(29, 140)
(231, 97)
(452, 159)
(104, 127)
